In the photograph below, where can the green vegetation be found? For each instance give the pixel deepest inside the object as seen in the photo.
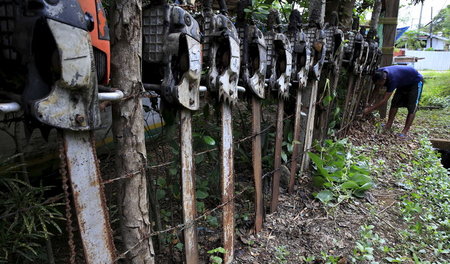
(426, 208)
(213, 258)
(281, 253)
(441, 22)
(339, 171)
(436, 90)
(409, 40)
(26, 217)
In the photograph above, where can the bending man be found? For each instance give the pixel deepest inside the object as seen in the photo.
(408, 84)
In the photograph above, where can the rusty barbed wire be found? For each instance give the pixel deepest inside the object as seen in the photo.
(181, 227)
(132, 174)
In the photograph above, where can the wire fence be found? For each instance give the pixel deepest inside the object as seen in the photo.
(181, 227)
(164, 164)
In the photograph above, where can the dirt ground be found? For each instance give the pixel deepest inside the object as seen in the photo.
(302, 227)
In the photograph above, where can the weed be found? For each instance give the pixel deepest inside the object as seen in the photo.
(214, 259)
(339, 171)
(26, 219)
(281, 253)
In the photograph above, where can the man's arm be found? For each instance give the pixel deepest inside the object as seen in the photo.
(370, 109)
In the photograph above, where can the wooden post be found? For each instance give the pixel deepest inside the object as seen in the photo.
(188, 187)
(389, 22)
(257, 165)
(128, 129)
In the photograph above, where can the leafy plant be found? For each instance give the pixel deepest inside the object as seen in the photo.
(27, 219)
(281, 253)
(339, 171)
(410, 40)
(367, 244)
(214, 259)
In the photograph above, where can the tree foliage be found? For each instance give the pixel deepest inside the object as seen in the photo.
(441, 22)
(409, 40)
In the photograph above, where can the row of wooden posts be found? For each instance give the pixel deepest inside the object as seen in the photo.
(186, 51)
(304, 61)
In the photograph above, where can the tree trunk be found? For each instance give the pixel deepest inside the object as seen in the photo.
(317, 12)
(346, 13)
(128, 129)
(375, 15)
(389, 31)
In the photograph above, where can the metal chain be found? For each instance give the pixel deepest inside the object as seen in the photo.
(65, 180)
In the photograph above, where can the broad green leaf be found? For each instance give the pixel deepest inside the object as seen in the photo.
(325, 196)
(201, 195)
(263, 11)
(173, 171)
(318, 181)
(284, 156)
(290, 147)
(200, 207)
(209, 140)
(349, 185)
(359, 193)
(366, 186)
(161, 181)
(217, 250)
(360, 179)
(316, 159)
(179, 246)
(327, 99)
(332, 124)
(160, 194)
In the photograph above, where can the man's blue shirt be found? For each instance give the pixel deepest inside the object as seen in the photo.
(401, 77)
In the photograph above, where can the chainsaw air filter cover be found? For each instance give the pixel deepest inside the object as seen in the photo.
(253, 71)
(49, 44)
(279, 62)
(171, 43)
(221, 55)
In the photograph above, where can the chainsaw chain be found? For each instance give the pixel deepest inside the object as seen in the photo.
(65, 180)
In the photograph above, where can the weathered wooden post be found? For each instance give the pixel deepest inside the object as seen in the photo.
(358, 48)
(301, 62)
(330, 76)
(252, 77)
(361, 55)
(389, 22)
(317, 41)
(172, 43)
(128, 129)
(221, 57)
(279, 71)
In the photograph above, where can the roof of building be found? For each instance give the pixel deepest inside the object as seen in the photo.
(425, 35)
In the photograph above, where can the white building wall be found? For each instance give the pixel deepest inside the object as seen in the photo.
(438, 44)
(433, 60)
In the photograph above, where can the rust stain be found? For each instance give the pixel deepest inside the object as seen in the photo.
(277, 161)
(188, 188)
(295, 149)
(257, 166)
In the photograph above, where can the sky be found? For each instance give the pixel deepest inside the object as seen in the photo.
(409, 14)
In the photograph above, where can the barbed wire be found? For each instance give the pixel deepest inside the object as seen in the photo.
(132, 174)
(181, 227)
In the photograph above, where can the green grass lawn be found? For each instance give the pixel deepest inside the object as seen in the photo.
(436, 90)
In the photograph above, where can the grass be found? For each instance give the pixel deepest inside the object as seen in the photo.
(436, 90)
